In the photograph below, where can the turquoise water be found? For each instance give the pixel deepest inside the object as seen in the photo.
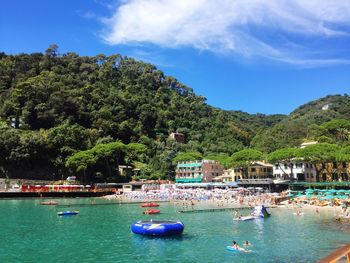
(34, 233)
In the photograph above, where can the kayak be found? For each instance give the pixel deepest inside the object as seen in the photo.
(151, 212)
(68, 213)
(49, 203)
(150, 205)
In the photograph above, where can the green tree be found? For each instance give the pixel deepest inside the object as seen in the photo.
(319, 154)
(286, 155)
(344, 154)
(80, 161)
(187, 156)
(244, 158)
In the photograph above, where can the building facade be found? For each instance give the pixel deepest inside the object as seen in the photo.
(228, 176)
(257, 170)
(295, 171)
(202, 171)
(333, 171)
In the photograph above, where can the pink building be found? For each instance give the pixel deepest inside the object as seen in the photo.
(202, 171)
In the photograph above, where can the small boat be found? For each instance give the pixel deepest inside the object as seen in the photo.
(68, 213)
(149, 205)
(151, 212)
(49, 203)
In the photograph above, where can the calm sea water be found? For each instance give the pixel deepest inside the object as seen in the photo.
(34, 233)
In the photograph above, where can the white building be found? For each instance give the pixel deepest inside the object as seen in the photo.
(326, 107)
(302, 171)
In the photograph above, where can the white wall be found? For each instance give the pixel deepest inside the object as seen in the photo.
(282, 171)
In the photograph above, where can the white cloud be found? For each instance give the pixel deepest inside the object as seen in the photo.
(274, 29)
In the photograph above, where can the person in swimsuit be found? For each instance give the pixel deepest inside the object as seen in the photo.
(247, 243)
(235, 245)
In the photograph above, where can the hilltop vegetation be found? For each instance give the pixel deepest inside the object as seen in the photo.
(53, 106)
(304, 123)
(63, 114)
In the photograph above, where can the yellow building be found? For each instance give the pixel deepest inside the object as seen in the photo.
(333, 171)
(257, 170)
(228, 176)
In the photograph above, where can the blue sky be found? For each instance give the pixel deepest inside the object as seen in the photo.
(255, 56)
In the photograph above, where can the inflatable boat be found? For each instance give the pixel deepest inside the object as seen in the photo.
(246, 218)
(151, 212)
(150, 205)
(258, 212)
(157, 228)
(68, 213)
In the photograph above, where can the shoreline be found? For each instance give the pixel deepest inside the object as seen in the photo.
(16, 195)
(217, 205)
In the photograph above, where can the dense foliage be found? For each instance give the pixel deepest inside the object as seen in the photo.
(54, 105)
(317, 120)
(63, 114)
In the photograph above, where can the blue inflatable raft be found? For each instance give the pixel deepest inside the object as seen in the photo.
(68, 213)
(230, 248)
(157, 228)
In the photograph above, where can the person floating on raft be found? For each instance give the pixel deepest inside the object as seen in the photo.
(236, 247)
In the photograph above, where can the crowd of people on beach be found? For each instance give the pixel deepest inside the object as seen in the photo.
(233, 197)
(188, 197)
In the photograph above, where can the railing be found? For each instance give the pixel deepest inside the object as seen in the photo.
(255, 181)
(337, 255)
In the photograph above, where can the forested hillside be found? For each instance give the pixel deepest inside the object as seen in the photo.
(306, 122)
(53, 106)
